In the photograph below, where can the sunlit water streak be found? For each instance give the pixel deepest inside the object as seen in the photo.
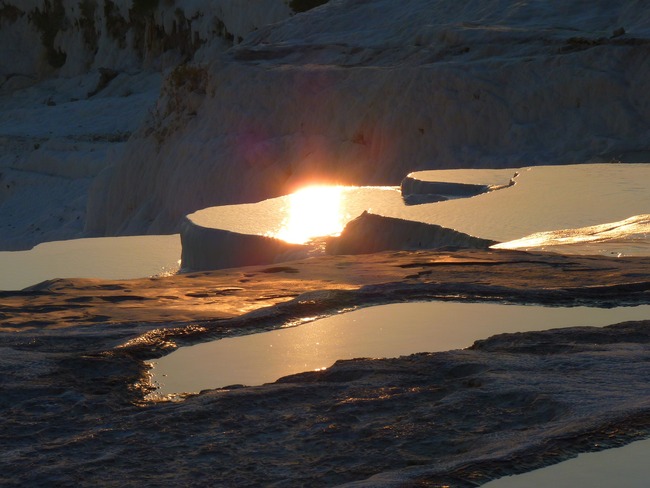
(315, 211)
(543, 200)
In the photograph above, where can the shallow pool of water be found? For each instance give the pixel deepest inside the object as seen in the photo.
(112, 258)
(376, 332)
(624, 466)
(544, 198)
(561, 203)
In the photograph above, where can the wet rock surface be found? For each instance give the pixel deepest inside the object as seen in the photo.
(73, 377)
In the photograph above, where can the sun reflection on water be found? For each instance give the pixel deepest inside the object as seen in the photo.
(312, 212)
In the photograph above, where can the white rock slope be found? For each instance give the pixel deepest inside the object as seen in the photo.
(77, 77)
(364, 92)
(72, 37)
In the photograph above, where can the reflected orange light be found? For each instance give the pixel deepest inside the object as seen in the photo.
(312, 212)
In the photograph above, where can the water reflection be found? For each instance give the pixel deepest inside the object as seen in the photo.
(594, 469)
(112, 258)
(381, 331)
(312, 212)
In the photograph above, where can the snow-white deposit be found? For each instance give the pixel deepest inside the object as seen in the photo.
(317, 96)
(76, 80)
(364, 92)
(72, 37)
(54, 139)
(355, 91)
(632, 234)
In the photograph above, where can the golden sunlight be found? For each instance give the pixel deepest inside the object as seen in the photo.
(312, 212)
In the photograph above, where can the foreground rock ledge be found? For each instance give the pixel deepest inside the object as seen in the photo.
(72, 414)
(368, 278)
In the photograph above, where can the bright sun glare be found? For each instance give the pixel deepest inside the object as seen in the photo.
(314, 211)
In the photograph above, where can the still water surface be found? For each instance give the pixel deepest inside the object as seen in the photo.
(382, 331)
(544, 198)
(111, 258)
(624, 466)
(563, 201)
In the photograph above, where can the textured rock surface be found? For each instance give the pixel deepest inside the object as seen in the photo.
(73, 378)
(72, 37)
(336, 282)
